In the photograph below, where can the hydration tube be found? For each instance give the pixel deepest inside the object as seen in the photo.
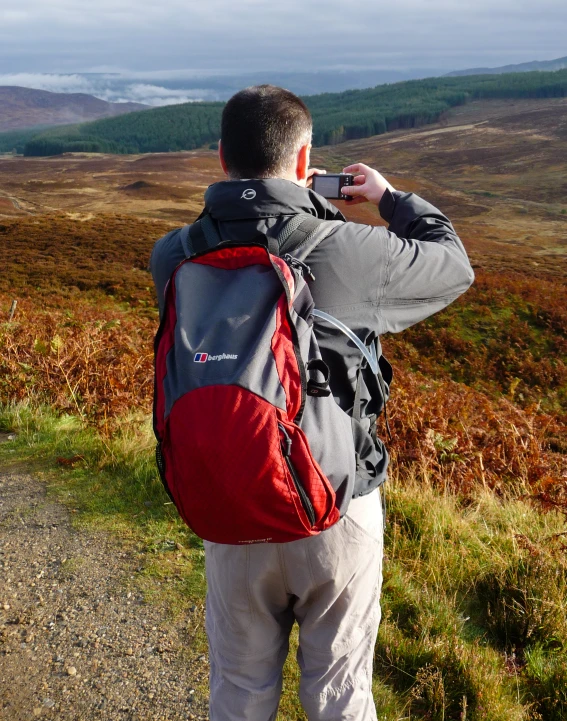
(369, 352)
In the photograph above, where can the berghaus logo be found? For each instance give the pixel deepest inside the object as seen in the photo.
(205, 357)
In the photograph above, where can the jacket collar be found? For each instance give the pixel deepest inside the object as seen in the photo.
(266, 198)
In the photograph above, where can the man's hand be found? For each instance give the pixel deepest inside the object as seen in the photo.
(310, 173)
(369, 185)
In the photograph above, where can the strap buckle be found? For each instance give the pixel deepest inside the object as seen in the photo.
(319, 389)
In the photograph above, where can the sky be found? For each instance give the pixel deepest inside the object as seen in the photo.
(54, 43)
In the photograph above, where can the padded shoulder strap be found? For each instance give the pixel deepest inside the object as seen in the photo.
(203, 234)
(303, 233)
(186, 241)
(296, 230)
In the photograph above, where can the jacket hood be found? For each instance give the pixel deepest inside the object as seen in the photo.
(266, 198)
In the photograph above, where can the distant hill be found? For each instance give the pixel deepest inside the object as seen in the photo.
(336, 116)
(545, 65)
(222, 87)
(22, 108)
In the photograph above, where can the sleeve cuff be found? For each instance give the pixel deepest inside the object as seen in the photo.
(387, 204)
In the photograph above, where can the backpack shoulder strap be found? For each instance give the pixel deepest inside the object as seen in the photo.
(186, 241)
(299, 236)
(303, 233)
(199, 236)
(203, 234)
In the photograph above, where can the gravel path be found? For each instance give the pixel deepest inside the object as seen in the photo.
(77, 640)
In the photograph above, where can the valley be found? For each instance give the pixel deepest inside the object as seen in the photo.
(497, 168)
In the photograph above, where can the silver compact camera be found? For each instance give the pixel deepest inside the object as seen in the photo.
(331, 184)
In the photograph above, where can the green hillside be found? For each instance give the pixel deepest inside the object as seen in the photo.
(11, 140)
(337, 116)
(361, 113)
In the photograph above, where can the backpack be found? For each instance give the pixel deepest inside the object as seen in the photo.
(252, 447)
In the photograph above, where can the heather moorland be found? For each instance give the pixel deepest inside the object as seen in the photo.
(475, 578)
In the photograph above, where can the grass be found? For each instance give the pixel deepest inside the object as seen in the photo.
(475, 589)
(463, 595)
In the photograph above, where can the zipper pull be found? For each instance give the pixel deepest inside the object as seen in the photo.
(299, 264)
(286, 444)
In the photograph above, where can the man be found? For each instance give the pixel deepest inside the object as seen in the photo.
(375, 281)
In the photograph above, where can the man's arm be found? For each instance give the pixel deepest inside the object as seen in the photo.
(166, 255)
(427, 265)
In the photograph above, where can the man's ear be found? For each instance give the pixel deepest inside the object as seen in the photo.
(302, 163)
(221, 158)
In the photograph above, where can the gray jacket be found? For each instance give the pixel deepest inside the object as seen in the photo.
(373, 279)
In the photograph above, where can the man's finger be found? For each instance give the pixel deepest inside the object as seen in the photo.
(356, 168)
(354, 190)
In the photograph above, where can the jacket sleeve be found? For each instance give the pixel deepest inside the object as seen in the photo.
(427, 265)
(166, 255)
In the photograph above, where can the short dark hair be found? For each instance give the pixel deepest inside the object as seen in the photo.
(262, 128)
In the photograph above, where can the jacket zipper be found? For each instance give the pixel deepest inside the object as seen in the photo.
(305, 500)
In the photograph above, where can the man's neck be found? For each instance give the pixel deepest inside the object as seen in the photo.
(291, 178)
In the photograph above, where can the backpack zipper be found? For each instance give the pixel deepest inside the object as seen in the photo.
(295, 340)
(305, 500)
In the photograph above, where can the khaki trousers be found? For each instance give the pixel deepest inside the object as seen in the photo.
(330, 584)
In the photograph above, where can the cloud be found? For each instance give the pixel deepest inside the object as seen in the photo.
(52, 82)
(113, 87)
(248, 35)
(157, 95)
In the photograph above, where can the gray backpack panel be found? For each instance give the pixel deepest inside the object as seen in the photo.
(212, 319)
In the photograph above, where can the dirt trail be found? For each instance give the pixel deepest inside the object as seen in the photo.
(15, 202)
(77, 641)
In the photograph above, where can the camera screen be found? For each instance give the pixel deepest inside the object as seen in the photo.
(328, 187)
